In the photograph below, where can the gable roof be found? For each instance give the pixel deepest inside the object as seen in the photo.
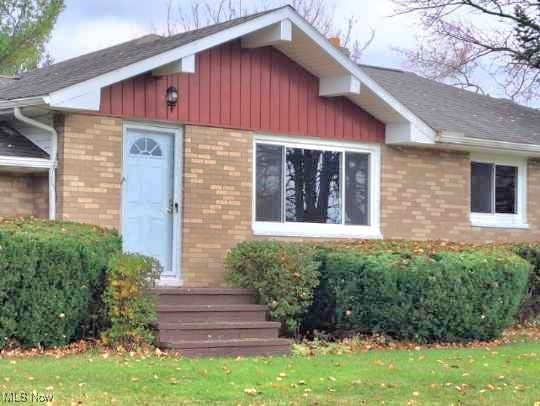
(447, 108)
(78, 82)
(414, 108)
(43, 81)
(13, 144)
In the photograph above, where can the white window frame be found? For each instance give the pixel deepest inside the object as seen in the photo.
(318, 230)
(504, 220)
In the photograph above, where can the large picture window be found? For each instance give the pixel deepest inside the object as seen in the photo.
(497, 190)
(299, 187)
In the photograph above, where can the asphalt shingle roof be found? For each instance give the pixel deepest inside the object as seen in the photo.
(6, 80)
(49, 79)
(447, 108)
(12, 143)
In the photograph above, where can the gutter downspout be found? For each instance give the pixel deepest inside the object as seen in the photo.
(53, 156)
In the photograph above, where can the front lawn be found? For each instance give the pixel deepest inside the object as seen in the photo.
(499, 375)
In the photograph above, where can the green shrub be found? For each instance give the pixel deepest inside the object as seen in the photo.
(130, 301)
(448, 296)
(530, 309)
(283, 276)
(51, 281)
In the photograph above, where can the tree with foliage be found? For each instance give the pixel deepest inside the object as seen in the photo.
(478, 44)
(25, 27)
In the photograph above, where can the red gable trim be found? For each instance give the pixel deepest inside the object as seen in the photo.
(251, 89)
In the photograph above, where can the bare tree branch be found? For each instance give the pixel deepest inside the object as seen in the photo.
(465, 42)
(319, 13)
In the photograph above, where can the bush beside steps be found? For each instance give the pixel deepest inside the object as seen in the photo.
(61, 281)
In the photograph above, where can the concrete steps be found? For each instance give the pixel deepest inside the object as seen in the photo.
(216, 322)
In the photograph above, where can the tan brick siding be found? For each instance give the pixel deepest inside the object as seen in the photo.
(89, 170)
(23, 195)
(425, 194)
(216, 200)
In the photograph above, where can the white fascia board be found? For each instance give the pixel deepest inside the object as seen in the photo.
(184, 65)
(87, 101)
(24, 102)
(339, 86)
(25, 162)
(407, 133)
(354, 69)
(275, 34)
(457, 141)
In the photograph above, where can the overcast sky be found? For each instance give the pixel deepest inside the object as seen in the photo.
(86, 26)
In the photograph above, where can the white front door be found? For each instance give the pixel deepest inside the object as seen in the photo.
(150, 207)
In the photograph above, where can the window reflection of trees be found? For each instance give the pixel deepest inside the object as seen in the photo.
(312, 179)
(269, 182)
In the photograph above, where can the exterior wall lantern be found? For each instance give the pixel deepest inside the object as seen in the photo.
(171, 96)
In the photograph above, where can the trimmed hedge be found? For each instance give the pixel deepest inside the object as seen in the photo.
(450, 296)
(530, 309)
(52, 277)
(283, 276)
(423, 291)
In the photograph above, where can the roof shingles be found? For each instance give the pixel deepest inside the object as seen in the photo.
(446, 108)
(49, 79)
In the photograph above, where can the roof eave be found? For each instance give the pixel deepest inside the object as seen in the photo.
(23, 102)
(456, 141)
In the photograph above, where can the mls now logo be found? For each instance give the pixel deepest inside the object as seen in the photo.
(27, 397)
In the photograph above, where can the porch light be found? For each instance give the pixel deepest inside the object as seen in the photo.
(171, 97)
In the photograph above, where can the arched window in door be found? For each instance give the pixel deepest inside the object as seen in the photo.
(145, 146)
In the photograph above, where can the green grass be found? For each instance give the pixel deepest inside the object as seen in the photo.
(503, 375)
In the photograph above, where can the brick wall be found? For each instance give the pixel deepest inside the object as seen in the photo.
(425, 194)
(89, 169)
(23, 195)
(216, 200)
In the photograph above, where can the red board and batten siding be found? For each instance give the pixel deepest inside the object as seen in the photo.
(252, 89)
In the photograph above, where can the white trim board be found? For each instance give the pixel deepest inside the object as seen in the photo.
(38, 163)
(459, 142)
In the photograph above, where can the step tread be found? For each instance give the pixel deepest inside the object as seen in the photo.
(242, 342)
(203, 291)
(220, 325)
(212, 308)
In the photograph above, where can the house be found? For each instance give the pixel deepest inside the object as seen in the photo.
(260, 127)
